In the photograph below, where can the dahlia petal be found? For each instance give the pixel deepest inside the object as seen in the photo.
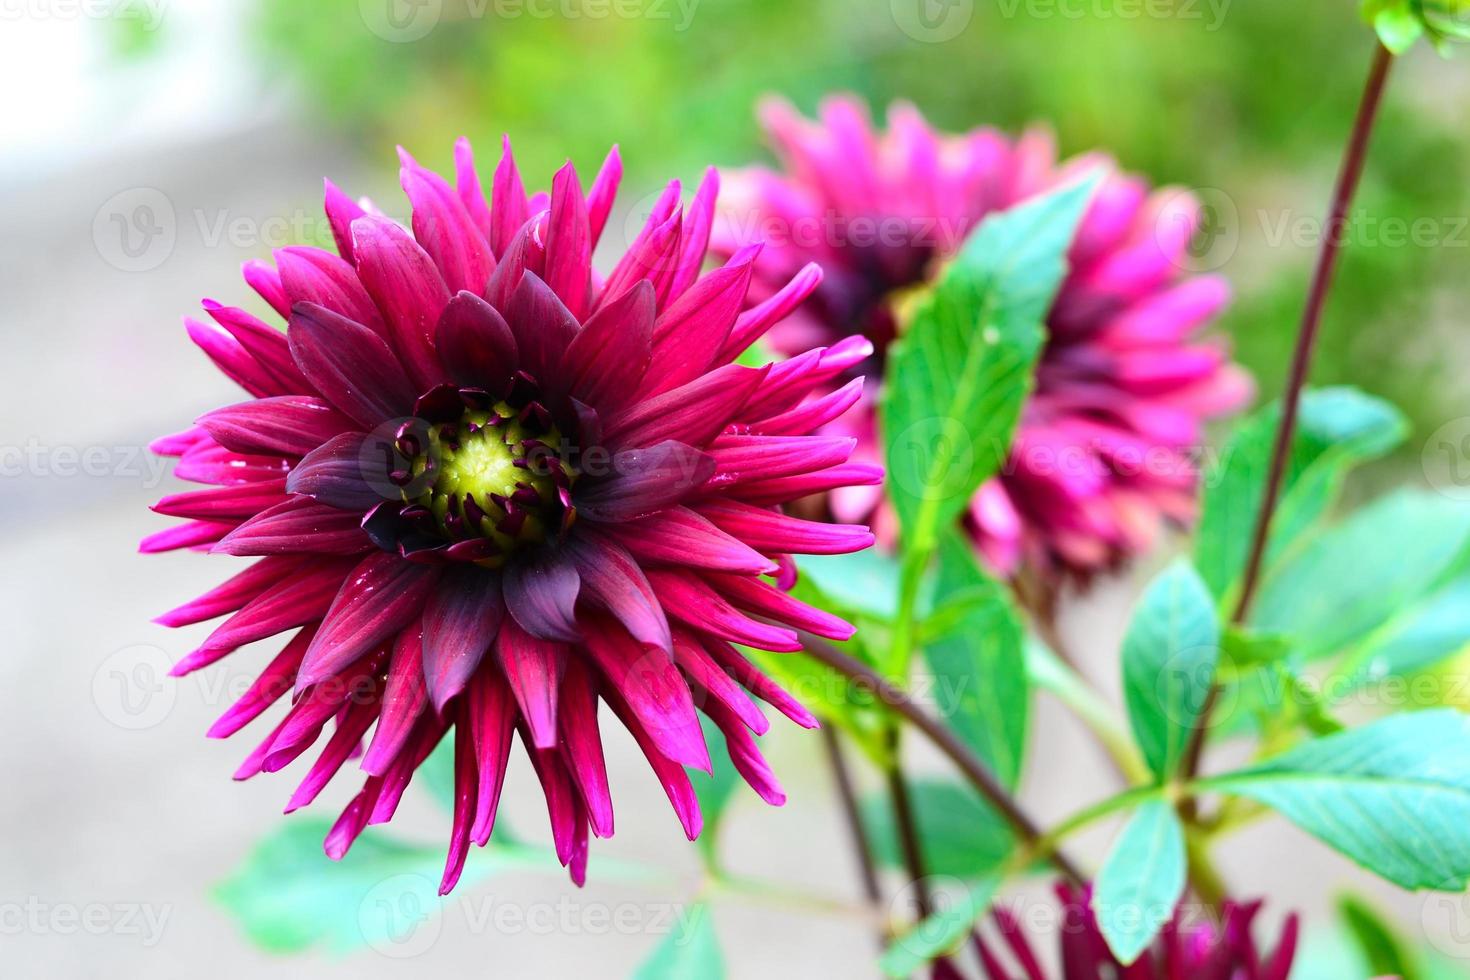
(759, 684)
(466, 794)
(276, 681)
(461, 619)
(837, 479)
(353, 821)
(334, 474)
(233, 593)
(605, 362)
(353, 723)
(694, 241)
(311, 275)
(541, 594)
(467, 185)
(178, 443)
(569, 243)
(287, 425)
(475, 345)
(233, 360)
(525, 253)
(341, 211)
(445, 230)
(652, 256)
(211, 463)
(492, 720)
(406, 286)
(813, 414)
(508, 208)
(297, 526)
(693, 601)
(670, 773)
(561, 799)
(195, 534)
(533, 667)
(644, 482)
(223, 503)
(542, 325)
(755, 596)
(379, 597)
(769, 531)
(604, 190)
(426, 734)
(404, 698)
(581, 849)
(690, 333)
(681, 536)
(266, 281)
(613, 580)
(741, 459)
(693, 413)
(753, 324)
(351, 366)
(747, 758)
(712, 679)
(582, 744)
(650, 685)
(251, 766)
(263, 342)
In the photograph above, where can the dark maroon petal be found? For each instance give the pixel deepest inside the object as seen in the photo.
(298, 526)
(649, 683)
(232, 594)
(569, 243)
(643, 482)
(335, 473)
(561, 798)
(350, 365)
(403, 701)
(526, 253)
(693, 413)
(475, 345)
(605, 362)
(381, 596)
(342, 211)
(613, 580)
(492, 712)
(582, 744)
(533, 667)
(680, 536)
(407, 288)
(460, 622)
(691, 600)
(224, 503)
(311, 275)
(543, 328)
(604, 190)
(265, 343)
(287, 425)
(446, 231)
(689, 335)
(466, 796)
(541, 594)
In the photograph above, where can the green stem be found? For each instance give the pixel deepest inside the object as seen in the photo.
(1047, 843)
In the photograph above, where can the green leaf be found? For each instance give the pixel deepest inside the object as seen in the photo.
(1141, 880)
(288, 896)
(1170, 653)
(1351, 580)
(692, 952)
(939, 933)
(865, 583)
(1385, 953)
(1419, 637)
(979, 666)
(959, 375)
(1337, 429)
(1393, 796)
(1245, 647)
(959, 833)
(714, 790)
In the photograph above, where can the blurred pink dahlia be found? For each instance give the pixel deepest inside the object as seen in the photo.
(489, 489)
(1102, 454)
(1185, 948)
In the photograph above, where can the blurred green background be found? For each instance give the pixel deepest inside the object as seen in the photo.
(1247, 98)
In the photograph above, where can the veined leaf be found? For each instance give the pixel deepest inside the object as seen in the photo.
(1170, 654)
(940, 932)
(959, 834)
(1394, 796)
(962, 370)
(1141, 880)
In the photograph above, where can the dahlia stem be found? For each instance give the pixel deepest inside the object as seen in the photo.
(906, 823)
(974, 770)
(856, 828)
(1346, 188)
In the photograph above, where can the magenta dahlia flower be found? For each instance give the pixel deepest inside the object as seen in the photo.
(1201, 950)
(1102, 455)
(489, 489)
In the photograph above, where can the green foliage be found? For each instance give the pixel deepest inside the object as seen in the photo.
(1394, 796)
(960, 835)
(960, 373)
(864, 585)
(714, 790)
(1170, 654)
(691, 952)
(1141, 880)
(939, 933)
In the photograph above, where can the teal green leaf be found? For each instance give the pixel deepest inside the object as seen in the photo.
(1393, 796)
(960, 835)
(862, 584)
(1419, 637)
(1170, 654)
(691, 952)
(963, 368)
(1141, 880)
(939, 933)
(714, 790)
(979, 665)
(1337, 429)
(1351, 580)
(1244, 647)
(1384, 951)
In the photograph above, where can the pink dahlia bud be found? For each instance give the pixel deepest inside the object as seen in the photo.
(489, 491)
(1104, 452)
(1186, 947)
